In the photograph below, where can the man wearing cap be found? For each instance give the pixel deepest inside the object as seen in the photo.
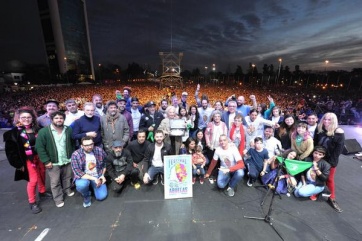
(151, 119)
(50, 106)
(113, 126)
(72, 112)
(119, 165)
(100, 110)
(136, 116)
(121, 103)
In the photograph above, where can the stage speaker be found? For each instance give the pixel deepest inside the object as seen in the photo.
(351, 146)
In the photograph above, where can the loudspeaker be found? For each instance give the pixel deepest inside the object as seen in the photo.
(351, 146)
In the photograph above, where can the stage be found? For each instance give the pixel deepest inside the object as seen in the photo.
(210, 215)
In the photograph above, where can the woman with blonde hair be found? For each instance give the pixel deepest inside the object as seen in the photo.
(330, 136)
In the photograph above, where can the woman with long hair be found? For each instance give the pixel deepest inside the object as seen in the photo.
(195, 120)
(330, 136)
(302, 142)
(284, 132)
(21, 153)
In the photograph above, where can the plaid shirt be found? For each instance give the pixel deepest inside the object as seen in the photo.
(79, 162)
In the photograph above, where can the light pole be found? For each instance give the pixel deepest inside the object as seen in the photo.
(100, 72)
(280, 65)
(213, 71)
(66, 68)
(205, 73)
(327, 61)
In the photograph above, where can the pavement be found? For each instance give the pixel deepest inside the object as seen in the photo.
(210, 215)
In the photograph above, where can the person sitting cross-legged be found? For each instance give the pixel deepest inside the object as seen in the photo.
(232, 166)
(119, 165)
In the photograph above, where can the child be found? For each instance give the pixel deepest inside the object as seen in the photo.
(198, 164)
(258, 156)
(302, 142)
(313, 180)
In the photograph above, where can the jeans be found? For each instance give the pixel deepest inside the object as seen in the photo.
(231, 178)
(254, 171)
(153, 171)
(198, 167)
(83, 187)
(307, 190)
(60, 181)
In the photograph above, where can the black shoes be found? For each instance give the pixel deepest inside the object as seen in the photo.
(335, 205)
(34, 208)
(45, 195)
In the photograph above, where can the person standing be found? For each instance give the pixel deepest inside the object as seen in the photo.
(100, 109)
(113, 127)
(72, 112)
(55, 147)
(121, 103)
(151, 119)
(89, 167)
(331, 137)
(51, 106)
(21, 154)
(136, 116)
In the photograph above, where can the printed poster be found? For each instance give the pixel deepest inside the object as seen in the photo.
(178, 176)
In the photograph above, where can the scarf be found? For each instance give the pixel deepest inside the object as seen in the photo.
(29, 152)
(111, 120)
(242, 139)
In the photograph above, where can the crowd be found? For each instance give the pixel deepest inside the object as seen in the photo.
(103, 136)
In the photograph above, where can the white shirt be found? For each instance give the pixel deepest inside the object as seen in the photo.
(273, 146)
(91, 164)
(136, 118)
(205, 114)
(71, 117)
(311, 130)
(228, 157)
(157, 158)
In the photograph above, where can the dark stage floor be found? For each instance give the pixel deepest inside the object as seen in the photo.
(210, 215)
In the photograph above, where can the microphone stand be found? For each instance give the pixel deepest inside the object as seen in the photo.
(267, 218)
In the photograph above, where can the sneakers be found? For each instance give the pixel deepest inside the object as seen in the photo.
(87, 201)
(137, 186)
(45, 195)
(70, 194)
(155, 180)
(230, 192)
(59, 204)
(313, 197)
(201, 180)
(34, 208)
(335, 205)
(211, 180)
(249, 183)
(194, 180)
(326, 193)
(161, 177)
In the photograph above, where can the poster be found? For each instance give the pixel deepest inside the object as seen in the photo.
(178, 176)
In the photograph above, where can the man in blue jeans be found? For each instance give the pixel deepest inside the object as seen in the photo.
(153, 161)
(232, 166)
(89, 167)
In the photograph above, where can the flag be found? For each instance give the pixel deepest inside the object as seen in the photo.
(295, 166)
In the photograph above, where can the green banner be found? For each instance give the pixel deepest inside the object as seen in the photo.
(295, 166)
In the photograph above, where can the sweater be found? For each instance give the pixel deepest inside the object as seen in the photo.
(85, 124)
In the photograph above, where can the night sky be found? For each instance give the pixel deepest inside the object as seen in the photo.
(225, 33)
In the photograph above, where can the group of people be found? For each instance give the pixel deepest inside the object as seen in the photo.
(106, 144)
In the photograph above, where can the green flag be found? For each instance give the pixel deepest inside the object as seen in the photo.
(294, 166)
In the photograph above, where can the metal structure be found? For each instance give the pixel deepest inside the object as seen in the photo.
(171, 70)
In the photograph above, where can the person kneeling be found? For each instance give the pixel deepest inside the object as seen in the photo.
(313, 180)
(232, 166)
(119, 165)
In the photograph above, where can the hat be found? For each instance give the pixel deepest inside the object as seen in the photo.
(184, 93)
(121, 99)
(150, 103)
(52, 101)
(118, 144)
(134, 99)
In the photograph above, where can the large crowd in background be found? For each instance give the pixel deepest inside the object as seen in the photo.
(104, 135)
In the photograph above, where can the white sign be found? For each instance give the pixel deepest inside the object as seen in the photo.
(178, 176)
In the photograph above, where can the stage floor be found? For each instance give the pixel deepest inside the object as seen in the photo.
(210, 215)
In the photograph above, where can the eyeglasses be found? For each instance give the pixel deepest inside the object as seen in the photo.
(91, 144)
(26, 118)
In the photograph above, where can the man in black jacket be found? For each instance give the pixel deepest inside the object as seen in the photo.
(119, 165)
(154, 157)
(150, 120)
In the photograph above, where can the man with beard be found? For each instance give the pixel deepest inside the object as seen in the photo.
(138, 148)
(271, 143)
(241, 107)
(153, 161)
(121, 103)
(50, 106)
(151, 119)
(119, 165)
(164, 105)
(89, 168)
(100, 110)
(72, 112)
(205, 113)
(113, 127)
(312, 121)
(55, 147)
(136, 116)
(88, 125)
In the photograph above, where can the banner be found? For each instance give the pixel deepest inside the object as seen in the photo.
(295, 166)
(178, 176)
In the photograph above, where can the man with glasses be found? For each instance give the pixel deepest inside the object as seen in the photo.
(228, 116)
(89, 167)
